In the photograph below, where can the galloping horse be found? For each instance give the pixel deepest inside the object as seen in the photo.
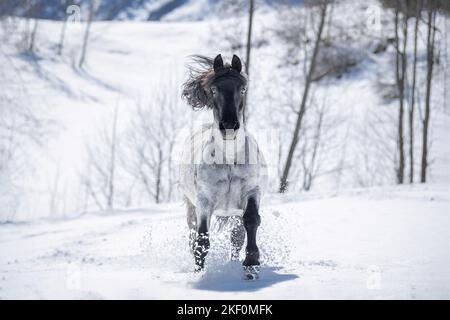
(223, 171)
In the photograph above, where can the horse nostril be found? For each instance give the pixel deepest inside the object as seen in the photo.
(232, 125)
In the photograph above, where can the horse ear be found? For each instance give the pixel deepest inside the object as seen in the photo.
(218, 62)
(236, 63)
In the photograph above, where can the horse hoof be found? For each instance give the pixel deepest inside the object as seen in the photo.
(199, 269)
(251, 273)
(251, 259)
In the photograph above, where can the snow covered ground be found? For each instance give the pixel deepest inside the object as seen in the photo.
(381, 243)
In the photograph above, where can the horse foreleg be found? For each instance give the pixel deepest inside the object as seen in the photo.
(201, 244)
(191, 222)
(237, 237)
(252, 221)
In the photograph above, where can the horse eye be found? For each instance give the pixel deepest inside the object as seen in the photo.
(213, 90)
(243, 90)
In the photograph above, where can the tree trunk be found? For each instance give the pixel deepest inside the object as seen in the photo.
(248, 52)
(33, 35)
(413, 96)
(311, 171)
(62, 36)
(302, 109)
(430, 63)
(26, 34)
(158, 176)
(447, 67)
(112, 164)
(400, 71)
(86, 33)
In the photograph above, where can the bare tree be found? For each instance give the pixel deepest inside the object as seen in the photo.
(54, 190)
(31, 46)
(251, 10)
(26, 32)
(231, 28)
(21, 130)
(92, 7)
(446, 45)
(63, 29)
(144, 157)
(112, 163)
(431, 36)
(323, 6)
(309, 156)
(100, 178)
(147, 156)
(29, 40)
(400, 77)
(418, 8)
(377, 138)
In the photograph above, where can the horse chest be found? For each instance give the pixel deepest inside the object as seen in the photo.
(220, 184)
(225, 185)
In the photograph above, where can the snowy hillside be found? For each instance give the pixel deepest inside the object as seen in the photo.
(129, 63)
(383, 243)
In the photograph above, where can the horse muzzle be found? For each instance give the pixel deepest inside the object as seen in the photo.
(229, 129)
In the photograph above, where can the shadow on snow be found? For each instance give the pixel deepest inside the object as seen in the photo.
(229, 278)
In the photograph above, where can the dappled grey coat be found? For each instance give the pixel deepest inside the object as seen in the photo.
(217, 176)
